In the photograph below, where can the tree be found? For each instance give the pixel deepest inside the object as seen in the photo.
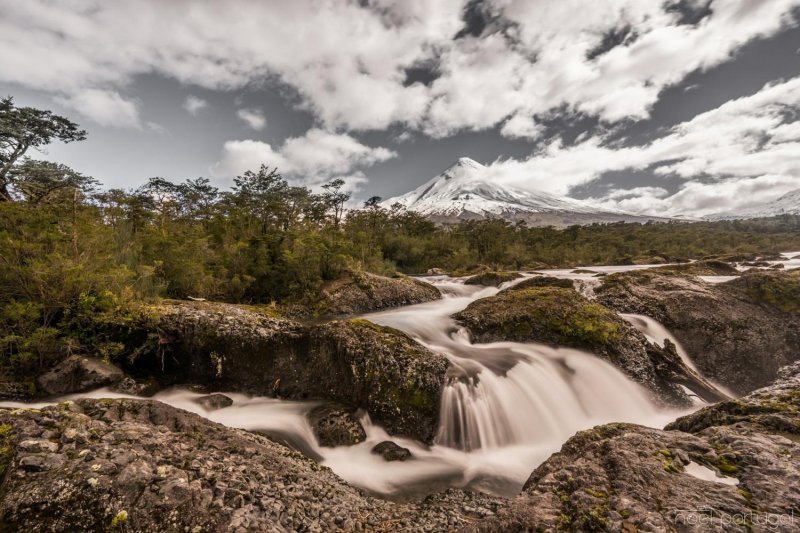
(197, 198)
(262, 195)
(43, 181)
(335, 198)
(22, 128)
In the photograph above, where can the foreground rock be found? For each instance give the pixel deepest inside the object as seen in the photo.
(737, 473)
(353, 362)
(562, 317)
(362, 292)
(79, 374)
(738, 333)
(137, 465)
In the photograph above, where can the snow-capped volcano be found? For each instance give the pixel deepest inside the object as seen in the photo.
(464, 191)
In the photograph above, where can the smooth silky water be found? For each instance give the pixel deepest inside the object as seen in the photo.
(506, 408)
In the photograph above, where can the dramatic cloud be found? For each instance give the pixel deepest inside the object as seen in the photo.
(316, 157)
(253, 118)
(348, 61)
(107, 108)
(739, 154)
(194, 105)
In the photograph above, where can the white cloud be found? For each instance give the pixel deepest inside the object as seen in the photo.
(732, 157)
(253, 118)
(351, 74)
(316, 157)
(521, 126)
(107, 108)
(194, 105)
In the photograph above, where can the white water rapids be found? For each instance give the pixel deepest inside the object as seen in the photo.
(508, 406)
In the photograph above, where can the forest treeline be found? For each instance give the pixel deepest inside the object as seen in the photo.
(68, 246)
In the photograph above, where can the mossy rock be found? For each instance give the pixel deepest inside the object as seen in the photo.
(780, 290)
(492, 279)
(361, 292)
(553, 315)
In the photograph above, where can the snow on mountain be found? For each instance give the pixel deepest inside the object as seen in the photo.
(464, 191)
(788, 204)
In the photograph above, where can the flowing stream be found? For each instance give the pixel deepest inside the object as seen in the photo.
(507, 407)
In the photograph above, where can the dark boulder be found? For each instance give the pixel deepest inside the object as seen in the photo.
(135, 387)
(336, 425)
(213, 402)
(492, 279)
(79, 374)
(391, 451)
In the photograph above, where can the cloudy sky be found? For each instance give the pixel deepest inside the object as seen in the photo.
(653, 106)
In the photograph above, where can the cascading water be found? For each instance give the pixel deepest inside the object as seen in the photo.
(506, 408)
(514, 394)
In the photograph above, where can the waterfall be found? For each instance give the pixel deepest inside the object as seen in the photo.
(515, 394)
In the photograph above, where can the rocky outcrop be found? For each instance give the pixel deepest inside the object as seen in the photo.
(361, 292)
(352, 362)
(562, 317)
(775, 408)
(79, 374)
(710, 267)
(731, 473)
(138, 465)
(738, 333)
(492, 279)
(335, 425)
(542, 281)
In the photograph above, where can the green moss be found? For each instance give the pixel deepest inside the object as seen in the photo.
(726, 466)
(118, 522)
(668, 461)
(6, 447)
(777, 290)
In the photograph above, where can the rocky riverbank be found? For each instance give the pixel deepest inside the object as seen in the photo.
(139, 465)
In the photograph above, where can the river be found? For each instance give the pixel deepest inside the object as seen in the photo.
(507, 406)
